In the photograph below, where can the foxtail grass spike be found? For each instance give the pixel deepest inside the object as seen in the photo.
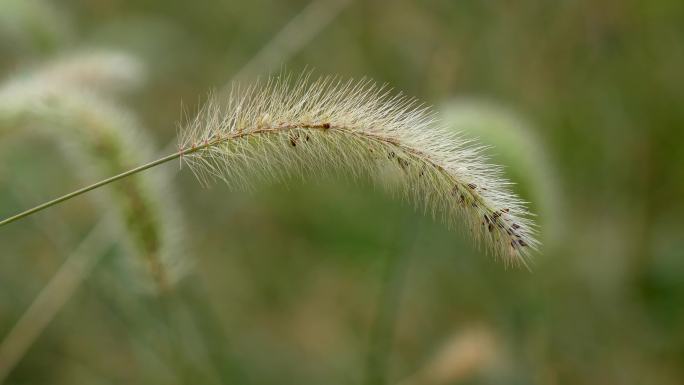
(295, 126)
(298, 127)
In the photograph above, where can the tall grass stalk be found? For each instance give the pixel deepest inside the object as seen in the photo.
(297, 127)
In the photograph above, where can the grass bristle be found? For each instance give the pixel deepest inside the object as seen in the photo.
(297, 127)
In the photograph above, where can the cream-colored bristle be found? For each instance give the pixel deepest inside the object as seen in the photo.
(307, 128)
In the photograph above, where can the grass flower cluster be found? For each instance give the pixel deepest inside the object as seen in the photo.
(295, 126)
(65, 101)
(298, 127)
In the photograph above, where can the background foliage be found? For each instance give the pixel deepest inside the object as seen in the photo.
(335, 283)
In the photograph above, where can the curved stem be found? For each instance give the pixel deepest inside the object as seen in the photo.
(91, 187)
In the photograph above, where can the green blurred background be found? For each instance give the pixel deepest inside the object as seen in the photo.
(334, 282)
